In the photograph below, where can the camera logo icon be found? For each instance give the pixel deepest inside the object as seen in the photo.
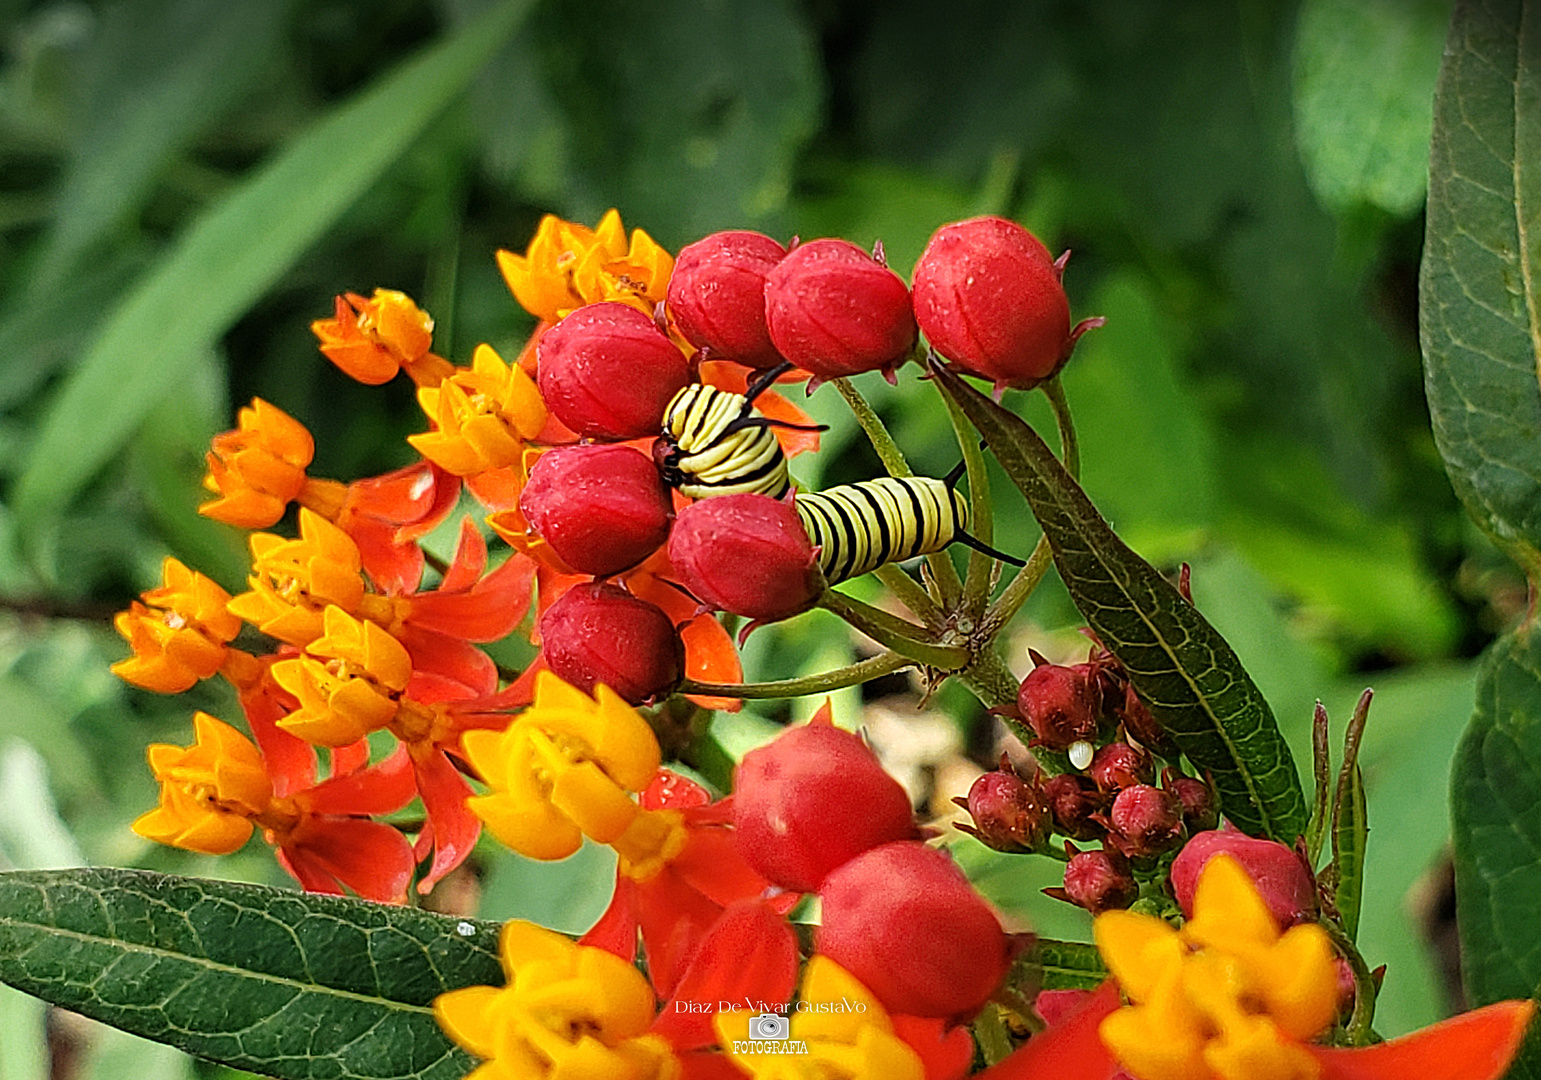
(768, 1026)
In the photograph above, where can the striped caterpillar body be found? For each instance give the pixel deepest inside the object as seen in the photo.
(715, 443)
(859, 527)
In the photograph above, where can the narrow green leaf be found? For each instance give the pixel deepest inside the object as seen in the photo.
(1182, 667)
(290, 985)
(1480, 284)
(1350, 832)
(1364, 75)
(1067, 965)
(232, 255)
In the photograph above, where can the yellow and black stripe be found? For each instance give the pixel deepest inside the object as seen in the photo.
(714, 442)
(859, 527)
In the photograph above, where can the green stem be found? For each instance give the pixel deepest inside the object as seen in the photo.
(981, 576)
(1014, 595)
(1070, 451)
(824, 682)
(893, 632)
(1360, 1030)
(910, 593)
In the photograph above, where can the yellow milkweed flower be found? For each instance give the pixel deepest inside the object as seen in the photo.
(1227, 997)
(484, 416)
(210, 791)
(568, 1010)
(564, 769)
(293, 581)
(178, 634)
(568, 265)
(258, 469)
(855, 1041)
(373, 339)
(348, 682)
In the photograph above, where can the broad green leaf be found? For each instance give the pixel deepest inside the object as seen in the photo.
(295, 986)
(1364, 77)
(1191, 679)
(232, 255)
(163, 72)
(1480, 298)
(1067, 965)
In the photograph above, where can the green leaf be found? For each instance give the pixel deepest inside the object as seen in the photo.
(1181, 666)
(1067, 965)
(1480, 308)
(1364, 77)
(1350, 833)
(232, 255)
(295, 986)
(1495, 802)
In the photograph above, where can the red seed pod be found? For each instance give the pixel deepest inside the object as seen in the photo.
(1010, 814)
(1060, 704)
(988, 297)
(1287, 887)
(907, 924)
(1147, 820)
(1201, 811)
(717, 295)
(600, 633)
(1073, 800)
(1119, 765)
(811, 800)
(601, 507)
(748, 554)
(607, 372)
(834, 310)
(1100, 881)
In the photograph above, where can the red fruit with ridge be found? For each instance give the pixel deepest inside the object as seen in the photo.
(1146, 820)
(600, 633)
(608, 372)
(602, 507)
(1200, 810)
(747, 554)
(1073, 800)
(1060, 704)
(988, 297)
(717, 295)
(904, 920)
(1010, 814)
(1119, 765)
(1287, 887)
(1100, 881)
(834, 310)
(811, 800)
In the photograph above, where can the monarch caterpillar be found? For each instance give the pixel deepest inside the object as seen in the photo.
(859, 527)
(715, 443)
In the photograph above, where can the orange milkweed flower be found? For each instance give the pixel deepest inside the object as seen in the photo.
(568, 265)
(348, 682)
(179, 633)
(564, 769)
(483, 414)
(567, 1010)
(373, 339)
(258, 469)
(210, 791)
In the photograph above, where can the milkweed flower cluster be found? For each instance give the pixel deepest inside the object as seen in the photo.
(648, 382)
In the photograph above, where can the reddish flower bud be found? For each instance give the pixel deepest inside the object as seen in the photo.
(1073, 800)
(607, 372)
(600, 633)
(1100, 881)
(904, 920)
(748, 554)
(810, 801)
(1287, 887)
(989, 298)
(834, 310)
(1010, 814)
(1200, 810)
(601, 507)
(1136, 718)
(717, 295)
(1146, 819)
(1060, 704)
(1119, 765)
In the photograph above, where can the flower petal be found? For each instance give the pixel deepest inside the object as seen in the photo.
(1478, 1045)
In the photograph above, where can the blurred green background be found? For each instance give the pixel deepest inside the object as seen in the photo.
(185, 184)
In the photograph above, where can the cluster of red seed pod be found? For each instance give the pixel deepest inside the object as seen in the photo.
(608, 373)
(1090, 716)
